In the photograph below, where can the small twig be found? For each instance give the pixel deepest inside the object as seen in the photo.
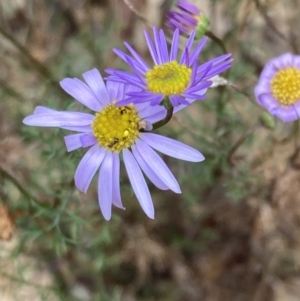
(240, 141)
(220, 43)
(38, 66)
(190, 129)
(236, 89)
(23, 190)
(135, 11)
(261, 9)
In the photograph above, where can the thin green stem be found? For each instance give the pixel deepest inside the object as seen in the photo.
(165, 120)
(220, 43)
(23, 190)
(240, 141)
(217, 40)
(243, 93)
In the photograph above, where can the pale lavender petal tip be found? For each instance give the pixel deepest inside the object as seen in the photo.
(88, 166)
(172, 147)
(105, 186)
(73, 142)
(138, 183)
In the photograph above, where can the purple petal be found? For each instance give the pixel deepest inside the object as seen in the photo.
(263, 87)
(268, 72)
(156, 117)
(87, 140)
(184, 5)
(88, 166)
(197, 50)
(174, 47)
(199, 87)
(296, 61)
(59, 119)
(157, 45)
(195, 96)
(151, 48)
(148, 170)
(188, 47)
(80, 91)
(157, 165)
(190, 41)
(116, 197)
(105, 186)
(172, 147)
(128, 78)
(297, 107)
(72, 142)
(163, 47)
(157, 100)
(185, 57)
(193, 75)
(138, 72)
(138, 183)
(115, 90)
(268, 101)
(174, 24)
(217, 70)
(154, 100)
(122, 55)
(43, 110)
(95, 81)
(202, 74)
(149, 111)
(282, 61)
(286, 114)
(141, 97)
(187, 20)
(137, 57)
(176, 100)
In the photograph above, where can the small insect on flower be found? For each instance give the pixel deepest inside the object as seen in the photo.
(123, 110)
(114, 142)
(172, 80)
(111, 132)
(278, 88)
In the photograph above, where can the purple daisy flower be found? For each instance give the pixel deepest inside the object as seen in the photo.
(188, 18)
(111, 131)
(278, 89)
(178, 82)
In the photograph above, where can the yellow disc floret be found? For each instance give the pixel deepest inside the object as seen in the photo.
(116, 127)
(168, 79)
(285, 86)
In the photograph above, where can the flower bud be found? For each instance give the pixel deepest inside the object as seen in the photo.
(187, 19)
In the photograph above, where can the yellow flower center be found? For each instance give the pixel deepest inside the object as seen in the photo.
(116, 127)
(168, 79)
(285, 86)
